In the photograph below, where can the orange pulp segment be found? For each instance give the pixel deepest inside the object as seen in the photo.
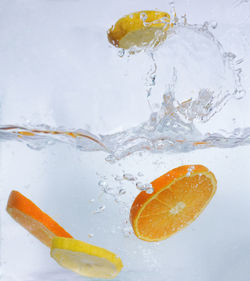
(178, 199)
(33, 219)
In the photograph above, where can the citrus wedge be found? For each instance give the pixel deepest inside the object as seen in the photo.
(139, 29)
(178, 198)
(33, 219)
(85, 259)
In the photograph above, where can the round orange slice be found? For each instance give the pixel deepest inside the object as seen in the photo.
(178, 198)
(139, 29)
(33, 219)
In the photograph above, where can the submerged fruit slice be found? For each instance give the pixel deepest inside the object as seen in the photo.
(85, 259)
(139, 29)
(179, 197)
(38, 223)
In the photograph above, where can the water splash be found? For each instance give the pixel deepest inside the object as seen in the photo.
(171, 128)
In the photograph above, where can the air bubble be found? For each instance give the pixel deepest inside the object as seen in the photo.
(122, 191)
(103, 184)
(121, 53)
(118, 178)
(140, 186)
(110, 159)
(129, 177)
(100, 209)
(149, 188)
(213, 24)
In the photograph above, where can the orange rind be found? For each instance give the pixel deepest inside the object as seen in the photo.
(178, 198)
(33, 219)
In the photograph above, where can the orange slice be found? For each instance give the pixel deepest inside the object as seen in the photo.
(178, 198)
(38, 223)
(85, 259)
(139, 29)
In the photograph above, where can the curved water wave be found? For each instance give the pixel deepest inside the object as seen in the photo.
(168, 129)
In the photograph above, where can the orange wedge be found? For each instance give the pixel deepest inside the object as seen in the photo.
(178, 198)
(38, 223)
(139, 29)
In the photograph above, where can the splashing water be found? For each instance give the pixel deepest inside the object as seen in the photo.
(176, 107)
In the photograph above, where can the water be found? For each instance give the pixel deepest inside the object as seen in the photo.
(185, 102)
(173, 125)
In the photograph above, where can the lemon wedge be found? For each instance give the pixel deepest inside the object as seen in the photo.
(139, 29)
(85, 259)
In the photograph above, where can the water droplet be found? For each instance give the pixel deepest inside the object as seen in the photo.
(190, 169)
(118, 178)
(205, 25)
(102, 183)
(159, 145)
(36, 146)
(143, 17)
(140, 186)
(92, 200)
(140, 174)
(111, 159)
(239, 93)
(213, 24)
(129, 177)
(121, 53)
(100, 209)
(122, 191)
(90, 235)
(127, 231)
(149, 188)
(117, 199)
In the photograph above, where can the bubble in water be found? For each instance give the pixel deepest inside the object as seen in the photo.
(140, 174)
(145, 187)
(129, 177)
(122, 191)
(37, 145)
(159, 145)
(190, 169)
(143, 17)
(213, 24)
(121, 53)
(110, 159)
(149, 188)
(103, 184)
(140, 186)
(127, 231)
(100, 209)
(118, 178)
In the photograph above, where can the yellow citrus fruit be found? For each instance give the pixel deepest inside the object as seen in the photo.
(178, 198)
(85, 259)
(139, 29)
